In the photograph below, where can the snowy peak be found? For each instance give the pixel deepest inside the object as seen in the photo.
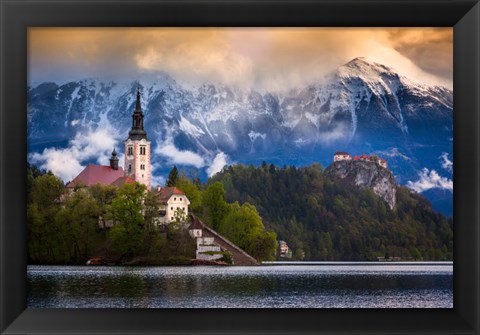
(365, 70)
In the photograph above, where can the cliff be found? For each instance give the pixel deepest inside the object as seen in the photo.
(368, 175)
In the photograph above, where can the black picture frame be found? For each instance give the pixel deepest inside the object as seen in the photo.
(17, 16)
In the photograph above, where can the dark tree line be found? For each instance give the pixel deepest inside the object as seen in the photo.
(324, 219)
(67, 226)
(71, 226)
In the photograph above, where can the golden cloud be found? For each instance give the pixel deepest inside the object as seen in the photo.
(269, 58)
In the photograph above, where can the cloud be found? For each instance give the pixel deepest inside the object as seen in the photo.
(259, 58)
(431, 48)
(61, 162)
(168, 150)
(447, 164)
(67, 163)
(338, 133)
(430, 179)
(392, 153)
(220, 160)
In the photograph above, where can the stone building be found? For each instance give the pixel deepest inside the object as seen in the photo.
(173, 202)
(341, 156)
(344, 156)
(137, 149)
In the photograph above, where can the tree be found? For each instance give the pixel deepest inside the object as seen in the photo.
(127, 206)
(126, 210)
(180, 216)
(44, 240)
(192, 192)
(243, 226)
(172, 177)
(215, 205)
(46, 191)
(103, 196)
(77, 221)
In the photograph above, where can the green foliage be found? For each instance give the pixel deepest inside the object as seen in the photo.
(319, 218)
(64, 225)
(126, 210)
(44, 233)
(126, 239)
(243, 226)
(172, 177)
(215, 206)
(324, 219)
(103, 196)
(192, 192)
(46, 191)
(180, 216)
(78, 220)
(127, 206)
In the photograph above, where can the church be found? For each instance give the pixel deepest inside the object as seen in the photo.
(137, 168)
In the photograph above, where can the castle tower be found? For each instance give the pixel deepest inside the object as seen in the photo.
(137, 149)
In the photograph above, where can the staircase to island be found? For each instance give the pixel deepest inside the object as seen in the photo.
(211, 245)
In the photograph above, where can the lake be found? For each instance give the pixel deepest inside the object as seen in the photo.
(277, 285)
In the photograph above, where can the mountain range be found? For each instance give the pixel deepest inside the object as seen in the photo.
(360, 107)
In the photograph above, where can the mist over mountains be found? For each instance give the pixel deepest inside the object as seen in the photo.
(360, 107)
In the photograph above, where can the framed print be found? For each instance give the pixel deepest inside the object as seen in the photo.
(253, 167)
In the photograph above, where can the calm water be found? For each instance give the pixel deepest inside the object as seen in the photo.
(312, 285)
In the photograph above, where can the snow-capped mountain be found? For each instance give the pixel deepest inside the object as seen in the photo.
(361, 107)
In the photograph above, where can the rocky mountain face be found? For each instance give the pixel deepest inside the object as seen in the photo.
(366, 174)
(361, 107)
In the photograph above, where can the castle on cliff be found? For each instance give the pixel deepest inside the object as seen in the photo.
(344, 156)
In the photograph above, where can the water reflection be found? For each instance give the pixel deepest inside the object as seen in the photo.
(326, 286)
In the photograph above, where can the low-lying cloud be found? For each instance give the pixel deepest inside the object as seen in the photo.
(67, 163)
(181, 157)
(430, 179)
(220, 160)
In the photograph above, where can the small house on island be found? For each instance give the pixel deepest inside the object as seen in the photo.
(173, 203)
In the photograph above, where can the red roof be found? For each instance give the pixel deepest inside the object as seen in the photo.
(196, 224)
(122, 181)
(97, 174)
(166, 192)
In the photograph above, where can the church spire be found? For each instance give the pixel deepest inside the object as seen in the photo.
(137, 132)
(114, 160)
(138, 106)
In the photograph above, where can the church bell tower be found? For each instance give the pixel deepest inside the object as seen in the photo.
(137, 149)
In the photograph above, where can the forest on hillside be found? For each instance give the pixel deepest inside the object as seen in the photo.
(69, 226)
(320, 219)
(325, 219)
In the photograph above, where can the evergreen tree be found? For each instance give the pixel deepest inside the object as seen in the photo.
(172, 177)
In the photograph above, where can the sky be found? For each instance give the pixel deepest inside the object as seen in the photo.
(256, 58)
(269, 59)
